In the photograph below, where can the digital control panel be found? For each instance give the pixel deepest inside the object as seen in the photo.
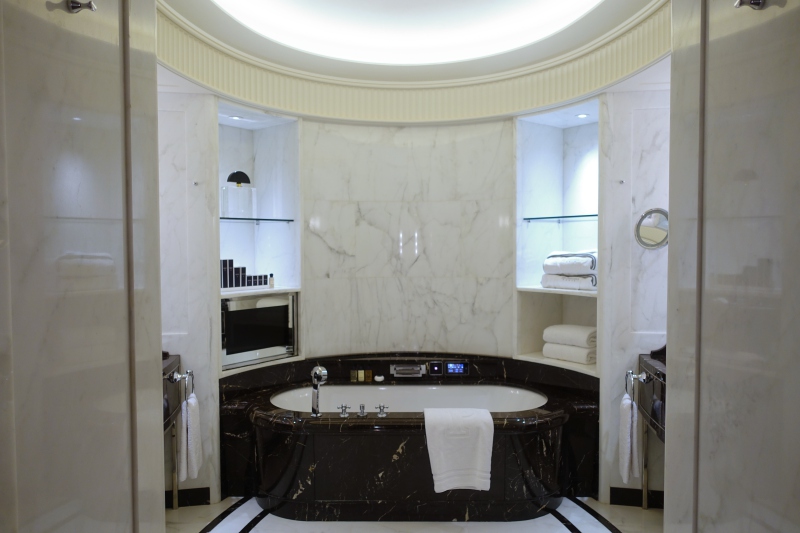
(456, 368)
(435, 368)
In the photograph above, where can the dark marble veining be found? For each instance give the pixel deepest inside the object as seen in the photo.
(372, 468)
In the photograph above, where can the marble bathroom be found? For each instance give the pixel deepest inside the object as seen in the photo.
(389, 257)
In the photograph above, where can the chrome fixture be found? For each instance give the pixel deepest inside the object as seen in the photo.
(755, 4)
(344, 408)
(380, 408)
(74, 6)
(631, 378)
(175, 377)
(407, 371)
(361, 411)
(319, 375)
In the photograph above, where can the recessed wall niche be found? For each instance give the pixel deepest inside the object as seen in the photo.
(265, 147)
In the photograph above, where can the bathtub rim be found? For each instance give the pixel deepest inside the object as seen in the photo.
(264, 414)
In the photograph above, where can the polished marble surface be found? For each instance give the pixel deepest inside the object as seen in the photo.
(632, 307)
(625, 519)
(189, 208)
(412, 229)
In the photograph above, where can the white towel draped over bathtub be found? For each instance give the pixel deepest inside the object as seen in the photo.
(628, 439)
(460, 448)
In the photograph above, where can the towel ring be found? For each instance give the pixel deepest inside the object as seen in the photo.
(630, 377)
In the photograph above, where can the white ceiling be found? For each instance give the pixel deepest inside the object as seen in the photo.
(609, 15)
(407, 32)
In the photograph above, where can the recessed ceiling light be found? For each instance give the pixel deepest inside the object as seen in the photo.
(582, 115)
(236, 118)
(411, 32)
(77, 118)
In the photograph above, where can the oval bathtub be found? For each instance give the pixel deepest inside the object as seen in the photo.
(378, 468)
(412, 398)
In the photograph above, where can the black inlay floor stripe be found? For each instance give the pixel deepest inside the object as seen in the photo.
(225, 514)
(564, 522)
(597, 516)
(254, 522)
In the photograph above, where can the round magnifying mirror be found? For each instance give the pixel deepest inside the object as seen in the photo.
(652, 230)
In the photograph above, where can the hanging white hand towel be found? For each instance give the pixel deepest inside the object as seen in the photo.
(628, 439)
(460, 448)
(194, 442)
(182, 442)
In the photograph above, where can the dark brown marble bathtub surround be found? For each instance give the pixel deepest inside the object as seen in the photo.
(333, 468)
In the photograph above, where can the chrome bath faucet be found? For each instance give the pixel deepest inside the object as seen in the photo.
(319, 375)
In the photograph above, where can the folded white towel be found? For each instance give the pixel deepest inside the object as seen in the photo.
(460, 448)
(194, 438)
(571, 263)
(628, 439)
(581, 336)
(584, 356)
(587, 282)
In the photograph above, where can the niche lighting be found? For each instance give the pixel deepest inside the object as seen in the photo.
(408, 32)
(582, 115)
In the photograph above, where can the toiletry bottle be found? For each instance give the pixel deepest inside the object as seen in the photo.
(271, 281)
(368, 375)
(353, 375)
(360, 374)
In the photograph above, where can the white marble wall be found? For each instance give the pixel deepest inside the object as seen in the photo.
(189, 184)
(67, 451)
(750, 303)
(634, 170)
(277, 174)
(408, 238)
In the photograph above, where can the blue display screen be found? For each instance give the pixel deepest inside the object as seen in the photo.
(455, 368)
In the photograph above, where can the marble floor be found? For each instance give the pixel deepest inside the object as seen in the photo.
(585, 515)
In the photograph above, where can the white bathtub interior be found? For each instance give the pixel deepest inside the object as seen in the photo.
(412, 398)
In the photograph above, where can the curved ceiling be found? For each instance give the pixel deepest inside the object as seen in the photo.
(411, 32)
(408, 41)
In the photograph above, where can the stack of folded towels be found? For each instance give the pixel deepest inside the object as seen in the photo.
(577, 344)
(571, 270)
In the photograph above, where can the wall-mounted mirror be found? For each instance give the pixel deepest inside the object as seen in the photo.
(652, 230)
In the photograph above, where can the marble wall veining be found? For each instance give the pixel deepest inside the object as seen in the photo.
(408, 238)
(634, 169)
(188, 142)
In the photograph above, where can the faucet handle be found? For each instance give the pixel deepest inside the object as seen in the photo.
(344, 408)
(380, 408)
(361, 411)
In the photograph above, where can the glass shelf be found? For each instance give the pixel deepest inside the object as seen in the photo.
(257, 219)
(564, 217)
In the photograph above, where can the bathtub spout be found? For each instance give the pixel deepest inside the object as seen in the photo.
(319, 375)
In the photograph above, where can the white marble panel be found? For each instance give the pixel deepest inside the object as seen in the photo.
(146, 269)
(685, 162)
(748, 463)
(329, 247)
(627, 327)
(326, 317)
(420, 232)
(649, 189)
(65, 352)
(199, 343)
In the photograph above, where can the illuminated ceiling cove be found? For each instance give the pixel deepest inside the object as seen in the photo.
(407, 32)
